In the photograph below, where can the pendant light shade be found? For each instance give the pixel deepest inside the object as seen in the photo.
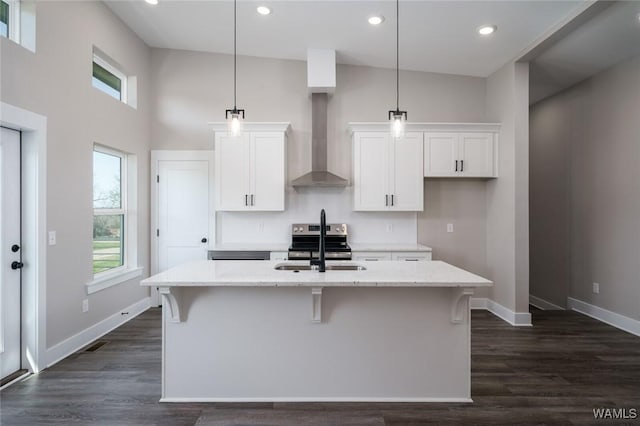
(234, 116)
(397, 117)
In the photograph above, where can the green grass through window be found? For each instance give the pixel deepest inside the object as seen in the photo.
(106, 255)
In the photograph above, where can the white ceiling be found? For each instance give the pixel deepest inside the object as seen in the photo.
(606, 39)
(435, 36)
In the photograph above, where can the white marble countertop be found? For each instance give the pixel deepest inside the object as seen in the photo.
(388, 247)
(261, 273)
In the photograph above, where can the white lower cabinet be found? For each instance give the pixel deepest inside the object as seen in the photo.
(411, 256)
(279, 255)
(371, 256)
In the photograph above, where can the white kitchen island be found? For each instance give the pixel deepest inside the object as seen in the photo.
(243, 331)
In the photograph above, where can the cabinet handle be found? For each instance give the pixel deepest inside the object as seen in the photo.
(462, 165)
(392, 199)
(456, 165)
(372, 260)
(252, 203)
(386, 199)
(246, 200)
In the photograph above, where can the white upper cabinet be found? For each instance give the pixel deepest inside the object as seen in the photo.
(387, 172)
(460, 154)
(250, 169)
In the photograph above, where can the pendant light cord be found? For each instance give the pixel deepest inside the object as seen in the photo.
(234, 53)
(397, 54)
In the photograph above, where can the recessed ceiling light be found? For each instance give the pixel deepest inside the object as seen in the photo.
(487, 29)
(263, 10)
(376, 20)
(154, 2)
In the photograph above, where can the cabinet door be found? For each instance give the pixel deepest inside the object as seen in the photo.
(407, 180)
(267, 171)
(232, 172)
(440, 154)
(476, 153)
(371, 171)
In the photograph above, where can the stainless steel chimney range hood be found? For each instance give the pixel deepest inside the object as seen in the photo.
(319, 175)
(321, 79)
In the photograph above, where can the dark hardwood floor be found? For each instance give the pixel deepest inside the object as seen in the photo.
(556, 372)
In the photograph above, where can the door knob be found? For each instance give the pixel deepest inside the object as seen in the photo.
(204, 240)
(16, 265)
(15, 248)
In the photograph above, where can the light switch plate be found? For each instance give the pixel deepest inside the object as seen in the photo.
(85, 305)
(52, 238)
(596, 288)
(449, 227)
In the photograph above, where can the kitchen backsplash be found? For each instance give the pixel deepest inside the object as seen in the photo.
(303, 206)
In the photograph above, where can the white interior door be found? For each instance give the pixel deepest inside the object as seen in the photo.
(10, 257)
(183, 212)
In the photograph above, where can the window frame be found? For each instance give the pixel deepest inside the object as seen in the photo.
(13, 20)
(100, 59)
(128, 208)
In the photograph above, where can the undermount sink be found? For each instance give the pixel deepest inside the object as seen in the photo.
(332, 267)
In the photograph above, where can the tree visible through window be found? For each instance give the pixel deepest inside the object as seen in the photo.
(109, 210)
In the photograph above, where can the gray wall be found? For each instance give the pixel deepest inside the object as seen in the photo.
(507, 196)
(192, 88)
(595, 124)
(56, 82)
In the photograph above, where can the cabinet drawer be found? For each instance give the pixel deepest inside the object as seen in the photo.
(411, 256)
(370, 256)
(279, 255)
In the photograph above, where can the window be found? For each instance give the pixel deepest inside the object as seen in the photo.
(109, 210)
(10, 19)
(4, 19)
(115, 231)
(108, 78)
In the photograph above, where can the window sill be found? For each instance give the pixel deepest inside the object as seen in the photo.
(110, 280)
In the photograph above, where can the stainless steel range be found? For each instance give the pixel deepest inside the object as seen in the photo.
(305, 242)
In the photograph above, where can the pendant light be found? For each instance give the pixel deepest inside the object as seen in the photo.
(396, 116)
(234, 115)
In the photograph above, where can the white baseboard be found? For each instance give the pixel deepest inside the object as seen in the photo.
(622, 322)
(319, 399)
(518, 319)
(65, 348)
(545, 305)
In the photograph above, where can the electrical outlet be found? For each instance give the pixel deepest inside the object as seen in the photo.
(596, 288)
(449, 227)
(389, 227)
(52, 238)
(85, 305)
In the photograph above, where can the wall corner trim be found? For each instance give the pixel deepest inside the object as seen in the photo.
(68, 346)
(517, 319)
(545, 305)
(614, 319)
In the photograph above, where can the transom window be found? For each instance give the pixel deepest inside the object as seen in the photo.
(109, 209)
(109, 79)
(10, 19)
